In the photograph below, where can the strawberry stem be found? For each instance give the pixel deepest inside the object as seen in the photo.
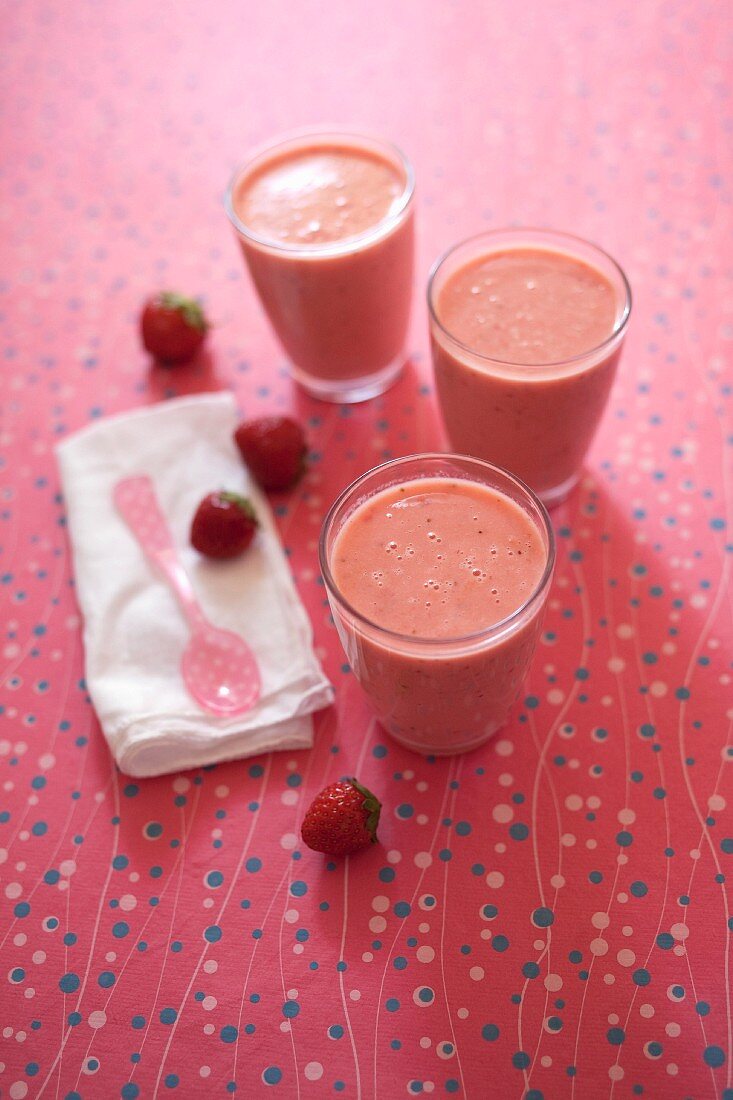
(371, 805)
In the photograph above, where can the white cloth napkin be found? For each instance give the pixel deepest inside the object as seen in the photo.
(134, 631)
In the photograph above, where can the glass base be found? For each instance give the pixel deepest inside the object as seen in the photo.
(551, 497)
(452, 750)
(347, 391)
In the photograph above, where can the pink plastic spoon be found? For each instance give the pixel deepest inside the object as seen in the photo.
(219, 669)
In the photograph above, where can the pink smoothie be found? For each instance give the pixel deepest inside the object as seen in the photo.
(435, 564)
(326, 228)
(524, 357)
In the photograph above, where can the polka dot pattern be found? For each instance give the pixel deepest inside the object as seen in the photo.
(567, 883)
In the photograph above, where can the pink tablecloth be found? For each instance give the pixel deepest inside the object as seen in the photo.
(548, 916)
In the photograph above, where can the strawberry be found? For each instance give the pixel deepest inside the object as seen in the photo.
(274, 448)
(343, 818)
(172, 327)
(223, 526)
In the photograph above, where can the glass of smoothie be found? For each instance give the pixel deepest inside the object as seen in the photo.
(325, 222)
(526, 328)
(437, 569)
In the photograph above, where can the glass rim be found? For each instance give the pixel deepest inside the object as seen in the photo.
(476, 637)
(620, 324)
(349, 244)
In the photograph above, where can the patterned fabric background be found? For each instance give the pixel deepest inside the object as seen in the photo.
(549, 916)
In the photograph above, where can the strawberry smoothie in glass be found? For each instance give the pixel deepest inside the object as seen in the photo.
(526, 328)
(437, 569)
(325, 222)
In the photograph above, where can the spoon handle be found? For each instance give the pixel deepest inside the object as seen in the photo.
(138, 505)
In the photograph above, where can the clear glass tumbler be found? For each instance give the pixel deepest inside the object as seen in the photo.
(536, 418)
(439, 696)
(340, 307)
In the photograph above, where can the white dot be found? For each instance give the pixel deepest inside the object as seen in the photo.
(598, 946)
(289, 797)
(425, 954)
(553, 983)
(495, 879)
(626, 957)
(504, 747)
(221, 791)
(288, 841)
(13, 890)
(18, 1090)
(380, 903)
(97, 1019)
(476, 973)
(204, 1071)
(211, 966)
(377, 924)
(128, 902)
(394, 856)
(600, 920)
(423, 859)
(355, 994)
(502, 813)
(574, 802)
(291, 915)
(313, 1071)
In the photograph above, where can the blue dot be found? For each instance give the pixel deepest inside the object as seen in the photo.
(402, 909)
(520, 1060)
(298, 888)
(714, 1056)
(463, 828)
(22, 909)
(69, 983)
(120, 929)
(129, 1091)
(726, 845)
(500, 943)
(170, 1080)
(214, 879)
(641, 976)
(616, 1036)
(400, 962)
(153, 829)
(120, 862)
(490, 1032)
(405, 810)
(518, 831)
(639, 889)
(543, 917)
(168, 1016)
(74, 1019)
(624, 838)
(665, 940)
(17, 974)
(40, 828)
(489, 911)
(335, 1031)
(106, 979)
(530, 970)
(702, 1008)
(386, 874)
(253, 864)
(138, 1022)
(228, 1033)
(272, 1075)
(392, 1004)
(213, 933)
(426, 995)
(291, 1009)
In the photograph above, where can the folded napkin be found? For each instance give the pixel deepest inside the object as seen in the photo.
(134, 631)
